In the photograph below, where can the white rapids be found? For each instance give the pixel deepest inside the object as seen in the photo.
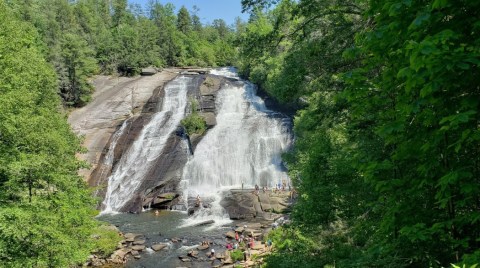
(244, 148)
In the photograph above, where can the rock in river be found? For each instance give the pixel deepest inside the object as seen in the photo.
(230, 234)
(158, 247)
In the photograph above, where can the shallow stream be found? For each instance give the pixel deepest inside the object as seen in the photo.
(161, 229)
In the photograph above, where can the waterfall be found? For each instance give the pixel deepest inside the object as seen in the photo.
(108, 161)
(244, 147)
(135, 163)
(111, 148)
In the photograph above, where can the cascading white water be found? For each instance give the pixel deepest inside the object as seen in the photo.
(108, 162)
(244, 147)
(111, 148)
(135, 163)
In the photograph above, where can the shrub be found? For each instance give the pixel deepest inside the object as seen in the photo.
(106, 240)
(237, 255)
(194, 124)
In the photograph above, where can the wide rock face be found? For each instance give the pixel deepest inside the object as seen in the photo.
(115, 99)
(114, 120)
(116, 117)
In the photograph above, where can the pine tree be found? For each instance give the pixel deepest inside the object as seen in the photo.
(184, 21)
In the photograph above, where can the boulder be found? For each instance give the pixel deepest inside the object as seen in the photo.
(203, 247)
(119, 255)
(209, 86)
(239, 230)
(227, 261)
(138, 247)
(130, 237)
(158, 247)
(210, 119)
(217, 263)
(139, 242)
(230, 234)
(135, 253)
(220, 255)
(148, 71)
(193, 253)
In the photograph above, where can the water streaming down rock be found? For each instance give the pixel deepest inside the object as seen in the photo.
(129, 173)
(244, 147)
(108, 162)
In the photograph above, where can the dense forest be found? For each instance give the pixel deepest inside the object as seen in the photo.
(387, 153)
(87, 37)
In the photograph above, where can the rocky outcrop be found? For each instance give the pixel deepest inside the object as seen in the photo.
(246, 204)
(130, 246)
(133, 102)
(149, 71)
(208, 90)
(210, 119)
(133, 128)
(205, 95)
(114, 100)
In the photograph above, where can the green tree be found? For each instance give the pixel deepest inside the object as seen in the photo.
(386, 155)
(46, 212)
(79, 65)
(196, 23)
(420, 83)
(184, 21)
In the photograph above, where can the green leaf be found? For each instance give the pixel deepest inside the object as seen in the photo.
(439, 4)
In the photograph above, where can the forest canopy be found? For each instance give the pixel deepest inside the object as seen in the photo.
(386, 160)
(49, 52)
(86, 37)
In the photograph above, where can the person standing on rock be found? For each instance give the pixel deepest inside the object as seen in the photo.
(197, 203)
(212, 253)
(269, 244)
(236, 236)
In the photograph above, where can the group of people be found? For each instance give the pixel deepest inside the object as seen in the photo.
(282, 186)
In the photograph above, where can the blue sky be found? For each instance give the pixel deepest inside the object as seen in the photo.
(209, 9)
